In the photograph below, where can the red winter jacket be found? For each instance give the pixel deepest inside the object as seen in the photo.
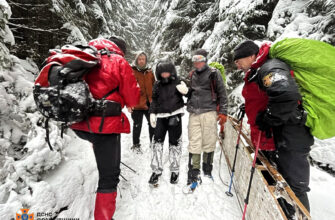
(256, 100)
(113, 71)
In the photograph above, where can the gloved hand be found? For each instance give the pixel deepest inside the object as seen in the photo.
(241, 112)
(262, 124)
(242, 107)
(182, 88)
(153, 120)
(222, 118)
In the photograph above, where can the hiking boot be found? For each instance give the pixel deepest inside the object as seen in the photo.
(189, 177)
(174, 178)
(154, 178)
(207, 169)
(193, 176)
(287, 208)
(104, 205)
(136, 148)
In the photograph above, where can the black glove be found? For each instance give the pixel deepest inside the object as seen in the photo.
(241, 112)
(262, 124)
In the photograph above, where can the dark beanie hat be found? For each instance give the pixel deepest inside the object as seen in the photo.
(202, 52)
(120, 43)
(165, 66)
(245, 49)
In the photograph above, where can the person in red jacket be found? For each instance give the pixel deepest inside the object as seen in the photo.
(114, 80)
(273, 105)
(256, 99)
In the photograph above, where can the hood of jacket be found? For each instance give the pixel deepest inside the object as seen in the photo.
(135, 63)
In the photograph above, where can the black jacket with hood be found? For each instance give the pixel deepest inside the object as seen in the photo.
(165, 97)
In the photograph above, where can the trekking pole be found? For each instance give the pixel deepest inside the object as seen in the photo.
(128, 167)
(124, 178)
(241, 116)
(221, 145)
(246, 201)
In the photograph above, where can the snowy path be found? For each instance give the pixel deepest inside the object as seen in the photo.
(139, 201)
(73, 185)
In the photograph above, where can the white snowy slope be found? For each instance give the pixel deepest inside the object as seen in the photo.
(321, 196)
(303, 19)
(323, 152)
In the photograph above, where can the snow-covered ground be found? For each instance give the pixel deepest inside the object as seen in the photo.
(136, 199)
(66, 179)
(71, 186)
(323, 152)
(321, 195)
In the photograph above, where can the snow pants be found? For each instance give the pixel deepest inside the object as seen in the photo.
(175, 144)
(107, 151)
(293, 143)
(294, 167)
(137, 117)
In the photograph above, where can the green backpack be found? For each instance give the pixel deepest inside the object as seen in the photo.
(220, 67)
(313, 63)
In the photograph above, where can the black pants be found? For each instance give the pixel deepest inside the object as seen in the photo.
(163, 126)
(107, 151)
(137, 117)
(293, 145)
(294, 167)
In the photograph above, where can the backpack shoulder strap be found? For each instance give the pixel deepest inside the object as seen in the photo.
(213, 78)
(105, 51)
(190, 74)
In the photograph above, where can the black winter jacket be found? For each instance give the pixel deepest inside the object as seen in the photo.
(284, 111)
(165, 96)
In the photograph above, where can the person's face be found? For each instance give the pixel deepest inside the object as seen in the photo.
(199, 65)
(142, 60)
(245, 63)
(165, 74)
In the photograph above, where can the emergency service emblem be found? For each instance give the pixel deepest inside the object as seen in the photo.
(267, 80)
(24, 215)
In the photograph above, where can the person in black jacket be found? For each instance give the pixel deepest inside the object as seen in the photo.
(284, 118)
(166, 111)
